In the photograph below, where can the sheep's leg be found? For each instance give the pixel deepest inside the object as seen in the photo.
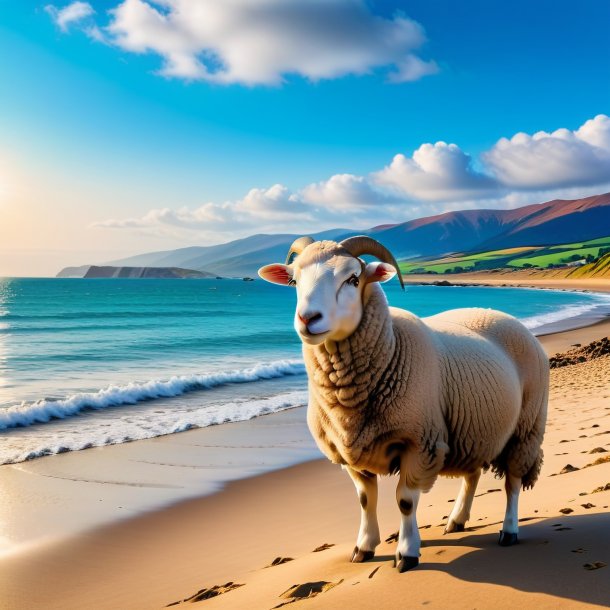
(461, 509)
(510, 528)
(368, 535)
(409, 541)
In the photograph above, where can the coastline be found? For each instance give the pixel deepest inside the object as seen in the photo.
(112, 554)
(600, 286)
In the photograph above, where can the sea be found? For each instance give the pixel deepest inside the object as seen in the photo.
(86, 363)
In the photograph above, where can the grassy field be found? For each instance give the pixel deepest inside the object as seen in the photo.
(530, 256)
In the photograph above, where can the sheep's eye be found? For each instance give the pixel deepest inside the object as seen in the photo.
(292, 282)
(353, 280)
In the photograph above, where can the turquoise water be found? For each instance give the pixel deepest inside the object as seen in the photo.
(91, 362)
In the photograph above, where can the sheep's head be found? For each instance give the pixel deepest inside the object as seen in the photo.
(330, 280)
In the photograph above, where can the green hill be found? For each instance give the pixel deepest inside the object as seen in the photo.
(540, 257)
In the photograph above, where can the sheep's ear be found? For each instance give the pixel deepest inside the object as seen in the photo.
(379, 272)
(276, 274)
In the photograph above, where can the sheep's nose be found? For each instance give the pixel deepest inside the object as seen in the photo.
(309, 317)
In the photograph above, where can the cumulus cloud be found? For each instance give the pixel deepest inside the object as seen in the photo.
(71, 14)
(436, 172)
(346, 192)
(260, 43)
(550, 160)
(274, 205)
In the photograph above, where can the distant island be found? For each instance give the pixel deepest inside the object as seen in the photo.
(169, 273)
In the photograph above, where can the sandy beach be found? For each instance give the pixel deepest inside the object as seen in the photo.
(91, 546)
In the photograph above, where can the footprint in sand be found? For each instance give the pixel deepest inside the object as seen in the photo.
(306, 591)
(322, 547)
(605, 487)
(559, 527)
(598, 461)
(207, 593)
(595, 565)
(279, 561)
(565, 470)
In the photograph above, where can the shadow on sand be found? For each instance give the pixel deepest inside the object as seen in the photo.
(551, 558)
(554, 557)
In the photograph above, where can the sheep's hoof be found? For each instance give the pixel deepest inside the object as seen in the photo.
(405, 563)
(452, 527)
(358, 556)
(508, 539)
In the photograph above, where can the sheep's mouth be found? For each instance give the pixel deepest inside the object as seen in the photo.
(311, 337)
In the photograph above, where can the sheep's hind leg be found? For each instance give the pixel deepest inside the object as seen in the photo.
(409, 541)
(368, 535)
(510, 528)
(461, 509)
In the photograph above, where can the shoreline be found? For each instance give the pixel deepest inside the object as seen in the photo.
(202, 534)
(513, 280)
(599, 286)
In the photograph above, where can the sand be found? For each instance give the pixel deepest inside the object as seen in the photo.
(531, 278)
(234, 536)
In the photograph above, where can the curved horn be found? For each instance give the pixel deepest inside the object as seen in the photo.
(362, 244)
(298, 245)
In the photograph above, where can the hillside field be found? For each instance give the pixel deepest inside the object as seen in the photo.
(543, 257)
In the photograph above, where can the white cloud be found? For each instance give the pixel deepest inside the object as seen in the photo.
(346, 192)
(259, 207)
(262, 42)
(276, 203)
(71, 14)
(436, 172)
(412, 68)
(550, 160)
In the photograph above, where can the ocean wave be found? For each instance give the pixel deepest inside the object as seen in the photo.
(145, 425)
(563, 313)
(43, 411)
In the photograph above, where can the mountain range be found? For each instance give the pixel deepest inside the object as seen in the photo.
(542, 224)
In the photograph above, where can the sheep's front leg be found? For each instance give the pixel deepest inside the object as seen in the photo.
(461, 509)
(368, 535)
(409, 541)
(510, 528)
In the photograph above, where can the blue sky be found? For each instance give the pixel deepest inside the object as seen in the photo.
(144, 129)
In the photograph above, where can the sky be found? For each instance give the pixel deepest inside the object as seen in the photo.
(140, 125)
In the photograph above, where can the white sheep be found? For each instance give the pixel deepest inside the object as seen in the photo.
(450, 394)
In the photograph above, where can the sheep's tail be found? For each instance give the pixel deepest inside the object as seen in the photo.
(531, 476)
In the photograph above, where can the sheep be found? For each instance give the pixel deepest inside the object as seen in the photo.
(390, 393)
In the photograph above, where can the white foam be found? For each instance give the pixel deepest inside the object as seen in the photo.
(563, 313)
(43, 411)
(130, 427)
